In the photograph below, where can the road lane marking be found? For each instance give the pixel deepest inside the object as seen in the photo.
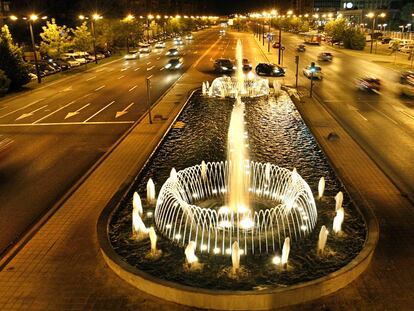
(3, 108)
(383, 114)
(149, 77)
(86, 95)
(162, 68)
(25, 115)
(98, 112)
(149, 63)
(407, 114)
(126, 68)
(158, 58)
(66, 123)
(136, 69)
(120, 77)
(125, 111)
(360, 114)
(205, 53)
(132, 88)
(31, 104)
(74, 113)
(99, 70)
(150, 68)
(91, 78)
(50, 114)
(99, 88)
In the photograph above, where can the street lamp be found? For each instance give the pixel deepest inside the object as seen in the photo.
(373, 16)
(127, 19)
(93, 18)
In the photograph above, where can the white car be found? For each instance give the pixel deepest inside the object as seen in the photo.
(178, 41)
(172, 52)
(131, 55)
(189, 37)
(160, 45)
(71, 60)
(408, 48)
(145, 48)
(314, 72)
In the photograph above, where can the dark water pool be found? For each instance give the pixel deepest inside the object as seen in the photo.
(277, 134)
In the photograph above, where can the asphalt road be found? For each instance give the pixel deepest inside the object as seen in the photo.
(61, 130)
(383, 124)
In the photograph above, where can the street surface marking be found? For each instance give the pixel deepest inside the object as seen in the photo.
(149, 63)
(31, 104)
(132, 88)
(123, 69)
(162, 68)
(74, 113)
(69, 88)
(86, 95)
(383, 114)
(158, 58)
(205, 53)
(150, 68)
(407, 114)
(99, 88)
(150, 77)
(25, 115)
(120, 77)
(136, 69)
(91, 78)
(361, 115)
(65, 123)
(61, 108)
(3, 108)
(99, 70)
(125, 111)
(99, 111)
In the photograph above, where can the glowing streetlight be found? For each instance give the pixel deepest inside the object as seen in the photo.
(179, 16)
(290, 12)
(150, 16)
(96, 16)
(13, 18)
(33, 17)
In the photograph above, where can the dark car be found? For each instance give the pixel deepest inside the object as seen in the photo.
(269, 69)
(325, 56)
(224, 65)
(172, 52)
(385, 40)
(246, 65)
(276, 45)
(301, 48)
(369, 84)
(174, 64)
(63, 65)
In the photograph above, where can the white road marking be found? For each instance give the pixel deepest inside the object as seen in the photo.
(150, 68)
(74, 113)
(98, 112)
(120, 77)
(162, 68)
(136, 69)
(66, 123)
(91, 78)
(50, 114)
(361, 115)
(158, 58)
(31, 104)
(407, 114)
(25, 115)
(86, 95)
(125, 111)
(149, 63)
(99, 70)
(149, 77)
(3, 108)
(126, 68)
(99, 88)
(383, 114)
(132, 88)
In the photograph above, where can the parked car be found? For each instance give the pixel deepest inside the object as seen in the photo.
(172, 52)
(247, 66)
(174, 64)
(160, 45)
(70, 60)
(385, 40)
(269, 69)
(145, 48)
(325, 56)
(224, 65)
(301, 48)
(407, 83)
(369, 84)
(313, 72)
(131, 55)
(63, 65)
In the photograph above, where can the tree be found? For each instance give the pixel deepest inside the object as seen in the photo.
(4, 82)
(11, 60)
(82, 38)
(336, 29)
(55, 39)
(304, 27)
(354, 39)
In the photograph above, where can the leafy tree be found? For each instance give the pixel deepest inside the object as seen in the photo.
(304, 27)
(55, 39)
(4, 82)
(336, 29)
(82, 38)
(354, 39)
(106, 36)
(11, 60)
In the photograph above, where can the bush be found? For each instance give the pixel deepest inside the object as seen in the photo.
(4, 82)
(354, 39)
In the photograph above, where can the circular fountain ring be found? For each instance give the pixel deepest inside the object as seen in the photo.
(289, 209)
(229, 87)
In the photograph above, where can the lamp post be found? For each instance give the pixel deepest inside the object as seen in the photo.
(150, 17)
(128, 19)
(148, 79)
(93, 18)
(32, 19)
(373, 16)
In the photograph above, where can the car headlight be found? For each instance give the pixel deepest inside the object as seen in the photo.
(168, 66)
(224, 68)
(234, 67)
(178, 66)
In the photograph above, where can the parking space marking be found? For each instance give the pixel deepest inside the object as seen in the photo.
(28, 105)
(99, 111)
(52, 113)
(99, 88)
(29, 114)
(132, 88)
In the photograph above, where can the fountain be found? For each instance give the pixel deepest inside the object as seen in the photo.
(337, 222)
(150, 191)
(339, 198)
(321, 187)
(323, 236)
(241, 85)
(235, 257)
(285, 252)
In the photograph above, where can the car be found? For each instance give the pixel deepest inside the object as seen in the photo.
(145, 48)
(408, 48)
(276, 45)
(222, 32)
(369, 84)
(131, 55)
(160, 45)
(172, 52)
(313, 72)
(189, 37)
(224, 65)
(385, 40)
(325, 56)
(270, 69)
(70, 60)
(62, 64)
(174, 64)
(247, 66)
(54, 64)
(178, 41)
(301, 48)
(407, 83)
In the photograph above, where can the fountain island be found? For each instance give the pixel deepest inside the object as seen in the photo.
(238, 228)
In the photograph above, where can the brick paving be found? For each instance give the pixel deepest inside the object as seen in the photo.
(61, 267)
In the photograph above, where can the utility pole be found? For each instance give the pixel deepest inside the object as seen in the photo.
(94, 39)
(297, 69)
(39, 79)
(280, 44)
(372, 33)
(149, 98)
